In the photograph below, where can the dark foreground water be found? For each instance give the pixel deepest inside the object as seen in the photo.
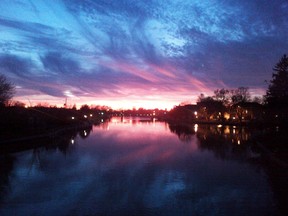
(138, 167)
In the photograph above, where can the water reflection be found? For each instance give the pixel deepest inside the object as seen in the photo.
(138, 167)
(232, 134)
(184, 132)
(265, 147)
(227, 142)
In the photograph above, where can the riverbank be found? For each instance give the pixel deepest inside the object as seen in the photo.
(20, 124)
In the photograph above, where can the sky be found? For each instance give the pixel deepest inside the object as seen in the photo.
(138, 53)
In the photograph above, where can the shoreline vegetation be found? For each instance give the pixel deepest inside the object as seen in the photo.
(18, 121)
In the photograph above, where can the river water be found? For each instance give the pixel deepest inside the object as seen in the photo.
(139, 167)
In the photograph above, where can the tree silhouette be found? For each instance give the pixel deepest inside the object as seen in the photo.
(222, 95)
(277, 93)
(240, 95)
(85, 108)
(7, 90)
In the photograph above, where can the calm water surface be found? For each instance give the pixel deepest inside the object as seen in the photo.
(138, 167)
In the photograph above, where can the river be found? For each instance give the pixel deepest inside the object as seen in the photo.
(133, 166)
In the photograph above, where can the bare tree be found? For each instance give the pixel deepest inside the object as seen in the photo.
(7, 90)
(222, 95)
(240, 95)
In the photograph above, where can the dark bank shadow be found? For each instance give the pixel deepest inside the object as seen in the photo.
(60, 139)
(184, 132)
(7, 164)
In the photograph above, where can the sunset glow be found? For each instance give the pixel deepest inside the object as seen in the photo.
(126, 54)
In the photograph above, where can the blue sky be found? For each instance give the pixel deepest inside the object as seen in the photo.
(134, 53)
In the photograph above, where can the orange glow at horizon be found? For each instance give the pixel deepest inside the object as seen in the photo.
(114, 104)
(138, 104)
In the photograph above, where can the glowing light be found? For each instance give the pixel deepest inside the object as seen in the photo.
(227, 130)
(196, 128)
(85, 116)
(219, 126)
(91, 115)
(72, 141)
(195, 113)
(238, 142)
(226, 115)
(115, 120)
(72, 117)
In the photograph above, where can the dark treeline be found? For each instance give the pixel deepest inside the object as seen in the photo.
(225, 106)
(236, 106)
